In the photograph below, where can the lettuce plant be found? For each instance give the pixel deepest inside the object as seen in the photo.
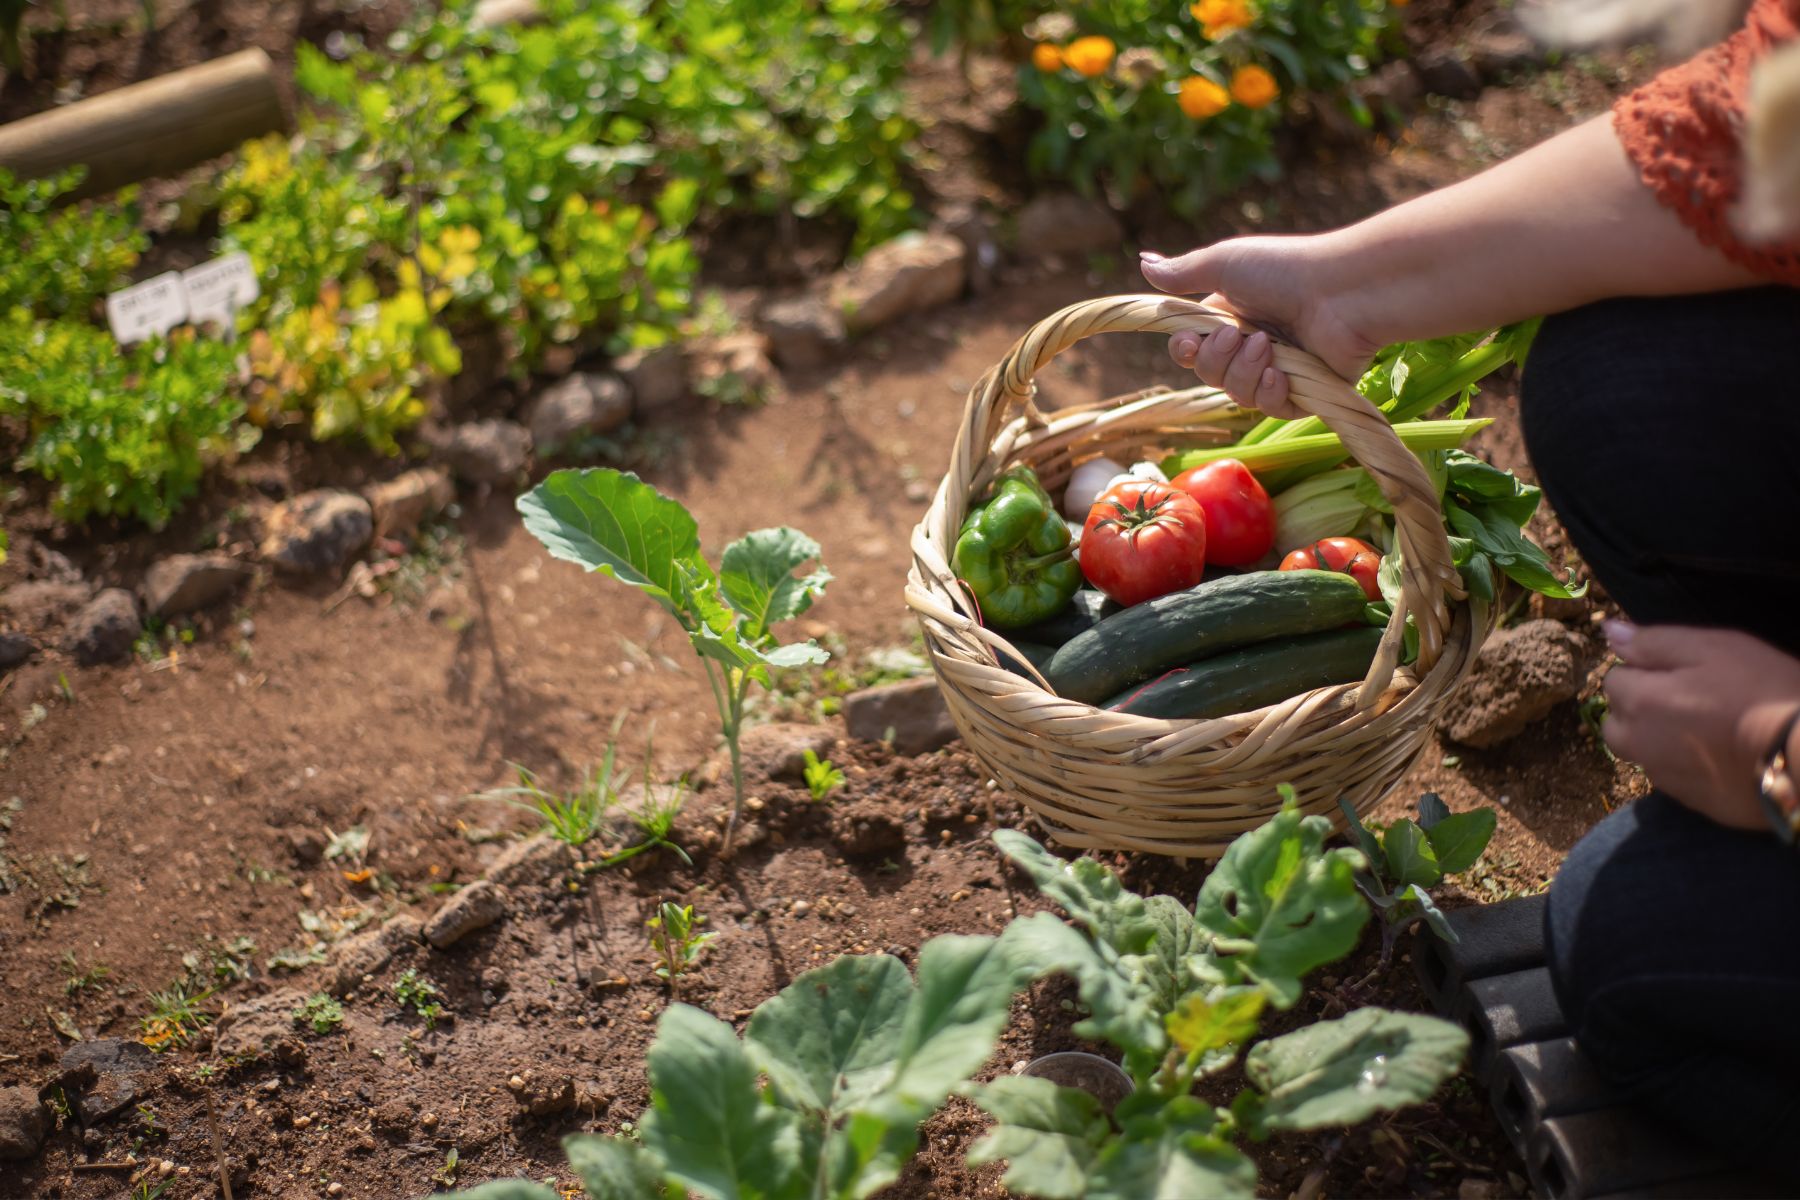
(615, 523)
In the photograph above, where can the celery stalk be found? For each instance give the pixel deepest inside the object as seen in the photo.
(1319, 450)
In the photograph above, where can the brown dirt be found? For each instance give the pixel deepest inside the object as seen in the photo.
(172, 807)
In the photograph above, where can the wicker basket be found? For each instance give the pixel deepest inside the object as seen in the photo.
(1100, 779)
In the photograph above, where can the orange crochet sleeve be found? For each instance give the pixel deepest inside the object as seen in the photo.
(1682, 128)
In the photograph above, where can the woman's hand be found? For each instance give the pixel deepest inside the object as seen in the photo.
(1278, 283)
(1698, 709)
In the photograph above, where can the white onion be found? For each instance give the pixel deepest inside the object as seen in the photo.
(1086, 483)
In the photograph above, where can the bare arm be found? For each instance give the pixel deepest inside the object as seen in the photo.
(1565, 223)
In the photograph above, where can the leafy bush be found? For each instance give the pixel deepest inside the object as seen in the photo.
(855, 1054)
(1183, 98)
(119, 432)
(60, 261)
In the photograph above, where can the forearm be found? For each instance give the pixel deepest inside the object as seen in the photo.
(1563, 224)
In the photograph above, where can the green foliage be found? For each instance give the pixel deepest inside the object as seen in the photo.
(412, 990)
(320, 1011)
(1174, 110)
(1181, 994)
(60, 262)
(614, 523)
(1407, 857)
(573, 816)
(119, 432)
(821, 777)
(678, 940)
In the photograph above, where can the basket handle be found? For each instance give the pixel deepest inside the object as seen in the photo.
(1428, 574)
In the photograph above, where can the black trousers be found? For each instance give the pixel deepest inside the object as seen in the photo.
(1663, 433)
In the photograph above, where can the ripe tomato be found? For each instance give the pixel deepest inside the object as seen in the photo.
(1351, 556)
(1240, 520)
(1143, 539)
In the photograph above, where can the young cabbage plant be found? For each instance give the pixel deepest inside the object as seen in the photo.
(1181, 992)
(821, 1098)
(1407, 857)
(615, 523)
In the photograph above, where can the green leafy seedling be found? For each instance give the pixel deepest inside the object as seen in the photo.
(412, 990)
(1409, 857)
(614, 523)
(320, 1011)
(678, 940)
(821, 777)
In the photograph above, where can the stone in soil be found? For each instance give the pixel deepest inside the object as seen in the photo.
(490, 451)
(184, 583)
(912, 712)
(543, 1094)
(105, 628)
(735, 369)
(912, 273)
(587, 404)
(262, 1025)
(803, 331)
(317, 531)
(1064, 223)
(42, 604)
(369, 951)
(400, 504)
(474, 907)
(658, 378)
(23, 1122)
(1522, 674)
(540, 861)
(108, 1068)
(15, 648)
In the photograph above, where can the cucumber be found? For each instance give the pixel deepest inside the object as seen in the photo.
(1221, 614)
(1247, 679)
(1085, 611)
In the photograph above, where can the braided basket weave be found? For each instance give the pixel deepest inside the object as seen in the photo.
(1106, 780)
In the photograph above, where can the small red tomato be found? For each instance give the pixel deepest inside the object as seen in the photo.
(1240, 520)
(1143, 539)
(1351, 556)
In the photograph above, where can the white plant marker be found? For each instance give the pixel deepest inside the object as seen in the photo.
(147, 309)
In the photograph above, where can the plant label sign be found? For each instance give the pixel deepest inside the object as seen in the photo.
(147, 309)
(218, 290)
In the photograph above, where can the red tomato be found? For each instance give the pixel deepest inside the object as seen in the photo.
(1142, 540)
(1240, 520)
(1352, 556)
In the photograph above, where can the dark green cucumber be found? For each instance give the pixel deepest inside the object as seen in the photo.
(1247, 679)
(1221, 614)
(1085, 611)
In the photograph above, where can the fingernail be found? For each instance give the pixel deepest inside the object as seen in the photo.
(1228, 337)
(1619, 634)
(1268, 378)
(1149, 256)
(1257, 344)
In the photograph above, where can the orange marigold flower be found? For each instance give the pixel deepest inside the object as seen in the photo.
(1046, 58)
(1220, 17)
(1090, 56)
(1201, 98)
(1253, 87)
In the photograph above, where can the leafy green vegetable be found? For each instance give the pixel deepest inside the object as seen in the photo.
(614, 523)
(1340, 1072)
(1407, 857)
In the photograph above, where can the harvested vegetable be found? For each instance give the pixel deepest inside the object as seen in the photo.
(1249, 678)
(1142, 540)
(1323, 450)
(1086, 483)
(1218, 615)
(1240, 521)
(1015, 555)
(1330, 504)
(1347, 555)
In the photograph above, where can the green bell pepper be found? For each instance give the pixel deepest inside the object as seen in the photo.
(1014, 552)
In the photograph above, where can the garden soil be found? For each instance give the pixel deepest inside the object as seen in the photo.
(171, 808)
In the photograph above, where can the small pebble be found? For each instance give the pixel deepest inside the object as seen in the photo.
(516, 1083)
(801, 908)
(165, 1168)
(334, 1188)
(428, 1120)
(302, 1121)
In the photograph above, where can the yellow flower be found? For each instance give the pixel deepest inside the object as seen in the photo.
(1253, 87)
(1201, 98)
(1090, 56)
(1046, 58)
(1220, 17)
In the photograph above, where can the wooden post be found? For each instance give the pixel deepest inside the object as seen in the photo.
(157, 127)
